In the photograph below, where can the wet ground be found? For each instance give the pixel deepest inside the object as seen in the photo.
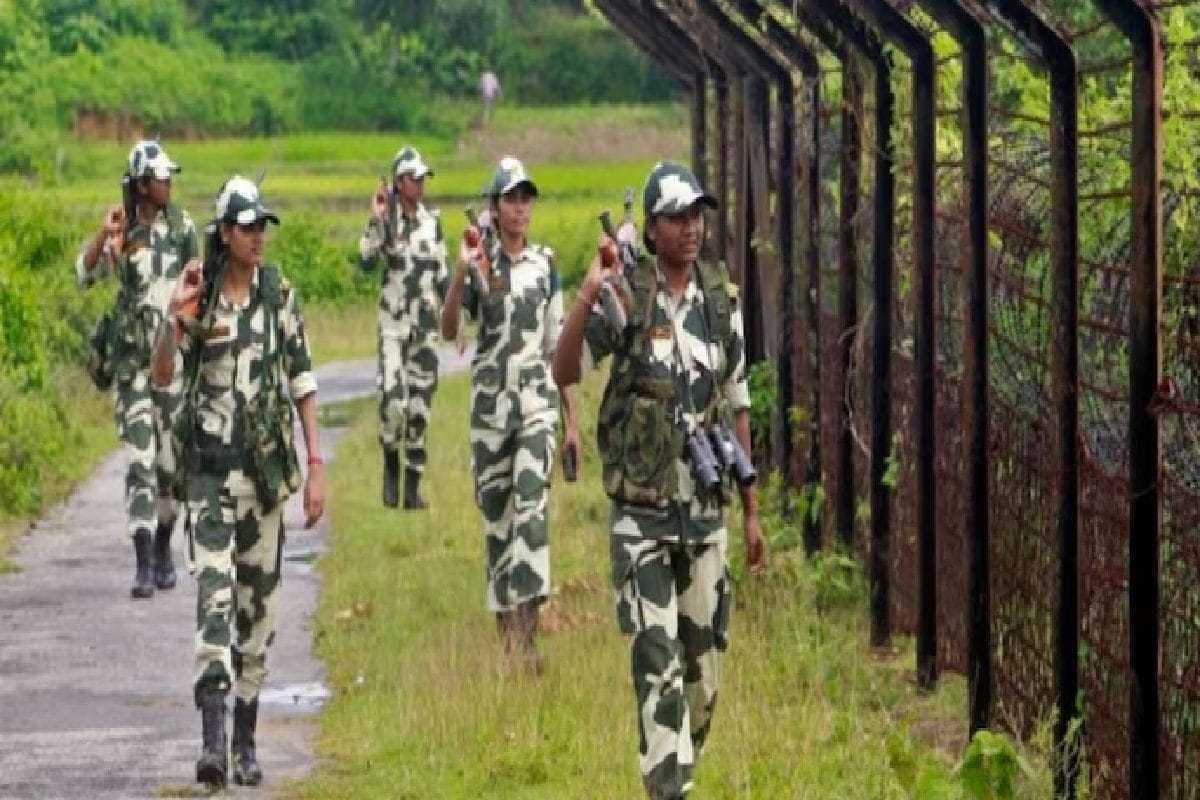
(95, 688)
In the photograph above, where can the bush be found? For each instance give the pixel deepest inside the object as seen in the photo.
(319, 269)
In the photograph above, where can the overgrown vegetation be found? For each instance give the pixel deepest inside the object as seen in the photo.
(187, 68)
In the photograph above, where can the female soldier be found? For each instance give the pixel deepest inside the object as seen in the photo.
(514, 402)
(236, 327)
(145, 242)
(677, 379)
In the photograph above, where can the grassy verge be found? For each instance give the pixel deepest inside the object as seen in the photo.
(422, 709)
(339, 333)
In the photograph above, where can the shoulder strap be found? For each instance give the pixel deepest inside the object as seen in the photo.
(273, 290)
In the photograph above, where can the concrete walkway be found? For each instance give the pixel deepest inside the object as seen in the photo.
(95, 688)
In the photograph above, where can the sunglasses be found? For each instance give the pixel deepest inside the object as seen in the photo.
(258, 226)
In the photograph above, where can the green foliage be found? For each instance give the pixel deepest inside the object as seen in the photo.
(990, 767)
(837, 581)
(567, 56)
(318, 266)
(764, 399)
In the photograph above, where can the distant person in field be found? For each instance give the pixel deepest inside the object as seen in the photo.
(144, 243)
(676, 389)
(413, 284)
(515, 295)
(235, 333)
(489, 93)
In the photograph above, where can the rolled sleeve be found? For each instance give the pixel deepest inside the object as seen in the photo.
(302, 385)
(85, 278)
(597, 339)
(297, 357)
(736, 390)
(370, 242)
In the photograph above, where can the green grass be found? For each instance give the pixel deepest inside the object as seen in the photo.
(422, 708)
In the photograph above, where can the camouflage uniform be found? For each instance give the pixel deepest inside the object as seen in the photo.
(151, 261)
(238, 543)
(413, 291)
(514, 413)
(668, 552)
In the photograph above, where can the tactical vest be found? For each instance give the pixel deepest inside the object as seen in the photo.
(639, 442)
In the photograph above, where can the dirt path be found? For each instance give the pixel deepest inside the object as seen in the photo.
(96, 689)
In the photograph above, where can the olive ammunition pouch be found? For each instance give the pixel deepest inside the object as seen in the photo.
(99, 353)
(639, 440)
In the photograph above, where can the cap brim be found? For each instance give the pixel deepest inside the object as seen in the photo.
(162, 173)
(702, 198)
(416, 172)
(533, 190)
(254, 214)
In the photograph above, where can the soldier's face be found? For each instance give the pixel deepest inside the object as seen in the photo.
(246, 242)
(410, 189)
(514, 210)
(157, 191)
(677, 237)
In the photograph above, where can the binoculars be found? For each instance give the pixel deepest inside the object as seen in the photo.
(714, 452)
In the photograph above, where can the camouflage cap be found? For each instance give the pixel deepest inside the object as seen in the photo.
(148, 159)
(239, 202)
(510, 173)
(671, 189)
(409, 162)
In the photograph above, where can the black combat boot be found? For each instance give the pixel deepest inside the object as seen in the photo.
(143, 552)
(246, 771)
(164, 565)
(212, 766)
(391, 478)
(527, 626)
(412, 497)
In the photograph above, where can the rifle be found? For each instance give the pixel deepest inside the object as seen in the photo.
(614, 297)
(477, 240)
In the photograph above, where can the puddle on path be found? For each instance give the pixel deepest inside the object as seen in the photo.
(295, 696)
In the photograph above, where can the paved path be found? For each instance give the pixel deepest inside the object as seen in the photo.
(95, 689)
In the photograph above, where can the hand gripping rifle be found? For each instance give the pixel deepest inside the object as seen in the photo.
(615, 295)
(477, 240)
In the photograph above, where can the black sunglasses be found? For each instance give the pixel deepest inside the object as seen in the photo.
(258, 226)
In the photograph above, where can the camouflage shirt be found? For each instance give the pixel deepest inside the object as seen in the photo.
(520, 318)
(682, 348)
(416, 278)
(147, 270)
(231, 366)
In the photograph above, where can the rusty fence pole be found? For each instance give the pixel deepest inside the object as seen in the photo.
(1141, 28)
(803, 59)
(821, 18)
(968, 31)
(894, 27)
(1056, 54)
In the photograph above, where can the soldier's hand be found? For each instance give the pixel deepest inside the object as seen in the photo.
(756, 545)
(379, 203)
(185, 299)
(114, 221)
(314, 495)
(598, 271)
(468, 254)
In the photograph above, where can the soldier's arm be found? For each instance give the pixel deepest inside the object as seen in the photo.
(297, 357)
(568, 356)
(370, 243)
(459, 296)
(96, 258)
(171, 338)
(442, 279)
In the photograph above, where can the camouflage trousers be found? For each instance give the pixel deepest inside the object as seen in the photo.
(142, 416)
(512, 488)
(406, 379)
(238, 550)
(674, 601)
